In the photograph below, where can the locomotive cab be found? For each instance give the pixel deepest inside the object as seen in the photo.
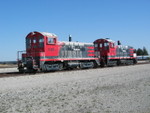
(43, 46)
(51, 46)
(110, 54)
(104, 48)
(36, 45)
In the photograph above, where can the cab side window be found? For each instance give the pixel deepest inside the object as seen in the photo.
(112, 45)
(41, 42)
(96, 46)
(51, 40)
(28, 43)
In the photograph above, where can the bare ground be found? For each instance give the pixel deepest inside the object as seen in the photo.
(106, 90)
(7, 65)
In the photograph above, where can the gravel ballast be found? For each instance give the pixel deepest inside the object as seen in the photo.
(123, 89)
(7, 70)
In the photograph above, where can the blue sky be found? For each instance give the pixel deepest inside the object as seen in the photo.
(86, 20)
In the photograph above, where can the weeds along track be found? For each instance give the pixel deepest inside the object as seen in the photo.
(17, 74)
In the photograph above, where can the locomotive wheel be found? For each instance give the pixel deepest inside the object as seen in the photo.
(61, 67)
(95, 65)
(102, 64)
(118, 62)
(21, 70)
(134, 61)
(32, 70)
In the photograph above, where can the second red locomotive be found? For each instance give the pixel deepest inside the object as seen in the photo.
(111, 54)
(45, 53)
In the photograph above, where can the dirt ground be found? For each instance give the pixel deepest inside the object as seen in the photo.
(123, 89)
(7, 65)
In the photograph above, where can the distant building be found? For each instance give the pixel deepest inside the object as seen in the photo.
(145, 57)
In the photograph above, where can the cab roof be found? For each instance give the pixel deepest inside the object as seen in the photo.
(48, 34)
(42, 33)
(105, 39)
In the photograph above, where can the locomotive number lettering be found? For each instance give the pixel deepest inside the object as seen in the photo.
(51, 49)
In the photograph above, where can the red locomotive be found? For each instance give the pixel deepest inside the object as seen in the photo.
(45, 53)
(111, 54)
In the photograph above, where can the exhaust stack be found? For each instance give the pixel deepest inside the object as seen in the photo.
(119, 43)
(70, 38)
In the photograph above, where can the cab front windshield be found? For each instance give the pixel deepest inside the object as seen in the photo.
(34, 42)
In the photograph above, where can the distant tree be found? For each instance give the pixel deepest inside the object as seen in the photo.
(145, 52)
(139, 52)
(135, 51)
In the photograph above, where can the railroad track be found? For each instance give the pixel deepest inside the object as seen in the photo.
(16, 74)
